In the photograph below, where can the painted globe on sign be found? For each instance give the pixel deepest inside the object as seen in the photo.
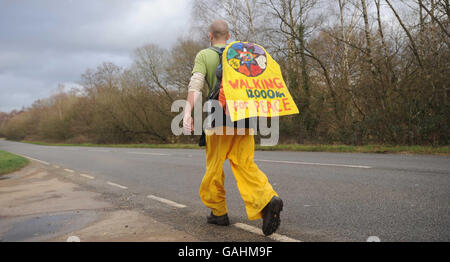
(247, 58)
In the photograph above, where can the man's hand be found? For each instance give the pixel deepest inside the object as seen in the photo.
(188, 124)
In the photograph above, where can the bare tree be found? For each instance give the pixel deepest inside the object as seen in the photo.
(245, 17)
(151, 60)
(408, 33)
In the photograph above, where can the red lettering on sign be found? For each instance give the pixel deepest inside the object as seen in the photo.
(256, 83)
(256, 105)
(269, 106)
(263, 108)
(268, 84)
(285, 104)
(234, 85)
(276, 105)
(248, 86)
(278, 83)
(244, 83)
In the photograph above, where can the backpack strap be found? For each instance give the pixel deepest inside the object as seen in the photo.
(214, 89)
(217, 49)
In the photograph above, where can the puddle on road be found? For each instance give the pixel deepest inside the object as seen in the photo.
(42, 227)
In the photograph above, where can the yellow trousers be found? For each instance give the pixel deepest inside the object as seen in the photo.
(252, 183)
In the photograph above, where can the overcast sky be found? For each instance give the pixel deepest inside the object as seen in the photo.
(47, 42)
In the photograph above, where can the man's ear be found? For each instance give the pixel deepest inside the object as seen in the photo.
(228, 36)
(211, 37)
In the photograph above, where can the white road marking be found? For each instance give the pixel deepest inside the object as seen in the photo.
(69, 170)
(373, 239)
(34, 159)
(99, 150)
(87, 176)
(258, 231)
(166, 201)
(310, 163)
(55, 166)
(73, 239)
(116, 185)
(153, 154)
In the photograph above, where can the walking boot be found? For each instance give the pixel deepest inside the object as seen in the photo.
(271, 216)
(218, 220)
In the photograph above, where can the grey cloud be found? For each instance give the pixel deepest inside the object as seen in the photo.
(46, 42)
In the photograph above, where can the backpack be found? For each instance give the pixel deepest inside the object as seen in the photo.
(214, 92)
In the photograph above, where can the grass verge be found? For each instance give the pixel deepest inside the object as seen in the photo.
(10, 162)
(443, 150)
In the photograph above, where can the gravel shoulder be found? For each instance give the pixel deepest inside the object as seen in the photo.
(38, 203)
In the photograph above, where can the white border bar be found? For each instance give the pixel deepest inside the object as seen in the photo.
(166, 201)
(310, 163)
(34, 159)
(116, 185)
(258, 231)
(151, 154)
(87, 176)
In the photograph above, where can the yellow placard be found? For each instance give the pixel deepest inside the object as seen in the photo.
(253, 84)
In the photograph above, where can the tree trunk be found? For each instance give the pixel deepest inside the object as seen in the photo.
(250, 20)
(408, 34)
(367, 34)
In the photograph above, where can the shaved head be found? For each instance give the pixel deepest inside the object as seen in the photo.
(219, 29)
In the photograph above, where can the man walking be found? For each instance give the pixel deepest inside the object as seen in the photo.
(261, 201)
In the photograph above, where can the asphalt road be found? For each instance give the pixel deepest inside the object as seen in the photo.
(327, 196)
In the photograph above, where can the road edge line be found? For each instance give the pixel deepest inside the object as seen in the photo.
(312, 164)
(166, 201)
(87, 176)
(258, 231)
(34, 159)
(116, 185)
